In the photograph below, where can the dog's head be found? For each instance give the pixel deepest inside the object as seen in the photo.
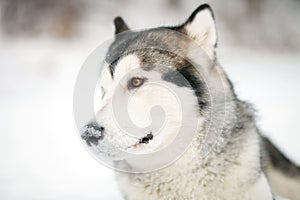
(156, 84)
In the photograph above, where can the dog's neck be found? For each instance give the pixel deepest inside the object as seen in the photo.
(206, 173)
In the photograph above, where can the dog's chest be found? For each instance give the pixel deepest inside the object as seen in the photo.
(171, 186)
(186, 182)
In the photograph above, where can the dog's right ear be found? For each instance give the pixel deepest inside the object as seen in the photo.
(120, 25)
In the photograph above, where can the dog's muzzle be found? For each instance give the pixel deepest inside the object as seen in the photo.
(92, 133)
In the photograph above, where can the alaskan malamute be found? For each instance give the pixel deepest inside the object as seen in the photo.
(176, 96)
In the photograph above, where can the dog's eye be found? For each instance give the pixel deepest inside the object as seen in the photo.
(135, 82)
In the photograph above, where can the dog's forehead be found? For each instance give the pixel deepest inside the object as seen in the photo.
(129, 64)
(153, 46)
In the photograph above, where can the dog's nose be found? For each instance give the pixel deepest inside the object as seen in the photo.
(92, 133)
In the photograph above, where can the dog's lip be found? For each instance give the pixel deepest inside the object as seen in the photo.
(147, 138)
(143, 140)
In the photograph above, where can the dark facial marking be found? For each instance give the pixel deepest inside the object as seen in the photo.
(187, 76)
(119, 48)
(143, 42)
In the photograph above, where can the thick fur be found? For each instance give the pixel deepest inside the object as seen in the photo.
(242, 164)
(283, 175)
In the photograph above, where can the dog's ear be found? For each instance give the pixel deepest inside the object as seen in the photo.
(120, 25)
(200, 26)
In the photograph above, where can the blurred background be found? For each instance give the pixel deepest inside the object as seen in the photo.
(43, 44)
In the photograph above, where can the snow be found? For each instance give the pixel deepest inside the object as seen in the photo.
(41, 155)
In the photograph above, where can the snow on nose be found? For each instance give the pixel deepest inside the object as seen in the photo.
(92, 133)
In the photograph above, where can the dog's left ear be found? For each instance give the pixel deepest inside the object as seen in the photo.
(120, 25)
(201, 27)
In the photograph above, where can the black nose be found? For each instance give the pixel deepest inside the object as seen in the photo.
(92, 133)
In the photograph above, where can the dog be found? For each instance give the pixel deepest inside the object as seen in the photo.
(225, 156)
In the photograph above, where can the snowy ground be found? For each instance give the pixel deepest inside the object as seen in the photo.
(41, 156)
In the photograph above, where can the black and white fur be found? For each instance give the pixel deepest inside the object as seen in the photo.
(243, 165)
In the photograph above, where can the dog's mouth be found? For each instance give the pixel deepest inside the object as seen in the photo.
(92, 135)
(144, 140)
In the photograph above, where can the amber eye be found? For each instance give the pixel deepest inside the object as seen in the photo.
(135, 82)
